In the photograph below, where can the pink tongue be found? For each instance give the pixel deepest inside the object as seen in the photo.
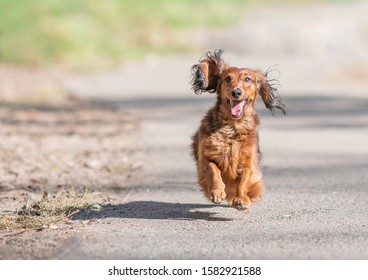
(237, 109)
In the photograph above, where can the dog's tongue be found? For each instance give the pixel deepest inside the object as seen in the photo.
(236, 111)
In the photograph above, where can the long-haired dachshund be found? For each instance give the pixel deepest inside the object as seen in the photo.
(225, 146)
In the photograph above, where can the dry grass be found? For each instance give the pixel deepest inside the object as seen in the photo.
(49, 211)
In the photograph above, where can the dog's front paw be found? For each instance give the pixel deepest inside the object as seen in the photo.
(217, 196)
(240, 203)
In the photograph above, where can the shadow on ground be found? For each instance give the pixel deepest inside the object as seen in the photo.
(153, 210)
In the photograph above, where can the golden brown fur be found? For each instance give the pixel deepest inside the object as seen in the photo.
(225, 146)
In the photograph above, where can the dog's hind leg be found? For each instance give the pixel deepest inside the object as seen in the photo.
(212, 184)
(252, 193)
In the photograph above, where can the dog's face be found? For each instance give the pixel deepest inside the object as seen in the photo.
(237, 88)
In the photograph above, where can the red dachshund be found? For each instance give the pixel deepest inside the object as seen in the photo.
(225, 146)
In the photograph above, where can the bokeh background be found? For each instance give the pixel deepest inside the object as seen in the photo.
(45, 42)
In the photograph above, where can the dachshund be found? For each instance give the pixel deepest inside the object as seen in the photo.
(226, 145)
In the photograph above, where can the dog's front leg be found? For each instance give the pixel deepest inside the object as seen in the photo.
(242, 201)
(214, 186)
(217, 188)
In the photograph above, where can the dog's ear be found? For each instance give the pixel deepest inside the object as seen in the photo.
(206, 73)
(268, 91)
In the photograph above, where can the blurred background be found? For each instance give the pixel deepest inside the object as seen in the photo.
(44, 45)
(91, 34)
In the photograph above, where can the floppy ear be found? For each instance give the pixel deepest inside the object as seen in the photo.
(206, 73)
(268, 91)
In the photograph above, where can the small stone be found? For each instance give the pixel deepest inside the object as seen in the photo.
(52, 226)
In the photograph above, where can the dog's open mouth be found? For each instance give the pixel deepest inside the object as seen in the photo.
(236, 107)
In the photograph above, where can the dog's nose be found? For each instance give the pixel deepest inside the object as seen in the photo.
(236, 93)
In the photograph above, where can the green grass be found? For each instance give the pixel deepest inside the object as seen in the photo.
(100, 32)
(94, 33)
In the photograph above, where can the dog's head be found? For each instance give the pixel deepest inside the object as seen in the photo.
(237, 88)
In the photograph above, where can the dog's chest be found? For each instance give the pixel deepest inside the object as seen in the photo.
(227, 148)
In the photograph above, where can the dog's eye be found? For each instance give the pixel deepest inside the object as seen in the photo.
(228, 79)
(248, 80)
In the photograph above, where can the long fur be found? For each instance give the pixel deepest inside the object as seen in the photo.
(269, 94)
(226, 150)
(215, 64)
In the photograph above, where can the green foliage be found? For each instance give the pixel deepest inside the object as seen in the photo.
(89, 32)
(99, 32)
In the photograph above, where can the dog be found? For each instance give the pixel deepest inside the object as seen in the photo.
(226, 145)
